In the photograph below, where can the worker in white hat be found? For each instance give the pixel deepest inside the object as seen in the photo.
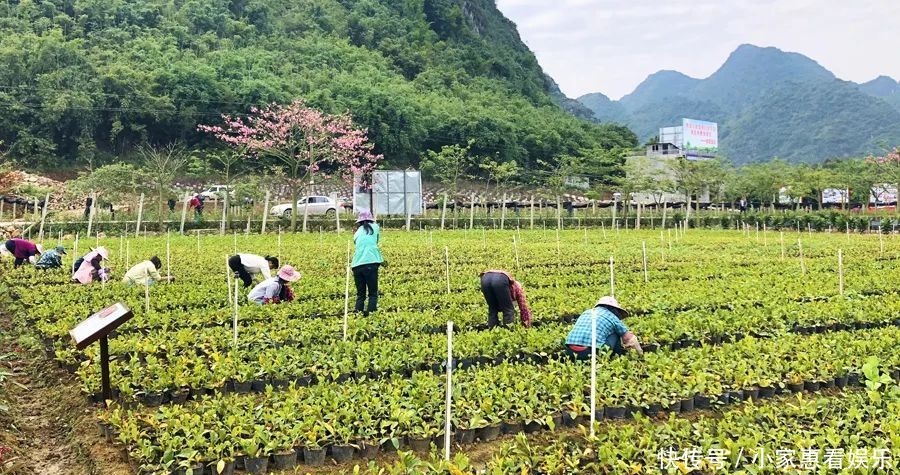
(611, 331)
(90, 267)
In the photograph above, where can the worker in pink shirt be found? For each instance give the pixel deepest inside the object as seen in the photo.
(90, 268)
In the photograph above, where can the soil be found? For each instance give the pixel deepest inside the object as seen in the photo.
(50, 427)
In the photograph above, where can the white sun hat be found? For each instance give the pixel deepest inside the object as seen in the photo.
(612, 304)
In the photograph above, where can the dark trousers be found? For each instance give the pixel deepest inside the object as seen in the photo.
(366, 279)
(495, 287)
(612, 342)
(234, 263)
(12, 249)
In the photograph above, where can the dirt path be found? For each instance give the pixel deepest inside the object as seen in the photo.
(49, 426)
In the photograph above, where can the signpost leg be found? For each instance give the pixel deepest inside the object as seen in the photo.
(104, 369)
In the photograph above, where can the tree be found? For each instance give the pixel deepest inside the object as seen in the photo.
(697, 176)
(855, 175)
(227, 165)
(9, 178)
(449, 165)
(161, 165)
(304, 141)
(643, 176)
(114, 182)
(499, 172)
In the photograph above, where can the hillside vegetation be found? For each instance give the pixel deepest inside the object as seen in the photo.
(86, 81)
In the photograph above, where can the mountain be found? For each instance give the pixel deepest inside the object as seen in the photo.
(768, 103)
(884, 88)
(88, 81)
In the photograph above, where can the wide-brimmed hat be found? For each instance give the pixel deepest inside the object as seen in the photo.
(103, 252)
(365, 216)
(60, 250)
(612, 304)
(289, 274)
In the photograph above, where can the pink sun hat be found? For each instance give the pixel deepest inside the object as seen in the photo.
(289, 274)
(365, 216)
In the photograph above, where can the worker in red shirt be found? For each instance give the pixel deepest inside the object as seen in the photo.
(500, 290)
(22, 250)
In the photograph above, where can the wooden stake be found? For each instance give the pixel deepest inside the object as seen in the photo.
(75, 254)
(782, 246)
(168, 256)
(224, 217)
(531, 218)
(503, 213)
(516, 249)
(265, 214)
(147, 297)
(44, 216)
(802, 263)
(593, 371)
(444, 212)
(184, 208)
(472, 213)
(279, 243)
(881, 241)
(137, 229)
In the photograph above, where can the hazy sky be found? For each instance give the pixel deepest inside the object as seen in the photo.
(610, 46)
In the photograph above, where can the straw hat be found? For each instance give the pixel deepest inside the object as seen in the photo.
(289, 274)
(365, 216)
(103, 252)
(612, 304)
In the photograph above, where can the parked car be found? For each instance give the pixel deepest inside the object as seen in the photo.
(217, 192)
(318, 205)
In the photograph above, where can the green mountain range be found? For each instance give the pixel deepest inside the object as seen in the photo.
(768, 103)
(86, 81)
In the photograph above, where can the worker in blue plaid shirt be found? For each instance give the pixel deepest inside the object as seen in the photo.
(611, 332)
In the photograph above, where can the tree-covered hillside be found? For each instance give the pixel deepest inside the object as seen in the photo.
(84, 81)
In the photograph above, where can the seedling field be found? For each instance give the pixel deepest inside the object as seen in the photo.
(756, 342)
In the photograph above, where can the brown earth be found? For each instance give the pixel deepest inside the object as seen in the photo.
(49, 426)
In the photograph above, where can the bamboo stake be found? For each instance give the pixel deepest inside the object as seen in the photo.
(644, 251)
(447, 260)
(91, 213)
(75, 254)
(881, 241)
(841, 271)
(347, 290)
(802, 262)
(472, 213)
(147, 297)
(279, 243)
(516, 249)
(593, 371)
(449, 402)
(612, 277)
(782, 246)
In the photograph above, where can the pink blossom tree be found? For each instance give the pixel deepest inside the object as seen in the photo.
(305, 140)
(888, 169)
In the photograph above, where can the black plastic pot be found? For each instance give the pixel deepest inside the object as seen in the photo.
(533, 427)
(614, 412)
(512, 427)
(280, 383)
(811, 386)
(342, 453)
(701, 402)
(653, 409)
(650, 347)
(841, 381)
(827, 384)
(895, 373)
(853, 379)
(180, 396)
(687, 405)
(303, 381)
(752, 394)
(256, 465)
(419, 444)
(258, 386)
(465, 436)
(369, 451)
(489, 433)
(196, 469)
(285, 460)
(153, 399)
(736, 396)
(675, 407)
(723, 399)
(242, 387)
(557, 420)
(314, 456)
(228, 469)
(767, 392)
(795, 387)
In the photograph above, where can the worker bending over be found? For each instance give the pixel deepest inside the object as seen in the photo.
(611, 331)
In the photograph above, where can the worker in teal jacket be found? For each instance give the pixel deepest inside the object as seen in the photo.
(366, 261)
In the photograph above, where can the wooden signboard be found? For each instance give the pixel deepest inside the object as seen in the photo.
(98, 327)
